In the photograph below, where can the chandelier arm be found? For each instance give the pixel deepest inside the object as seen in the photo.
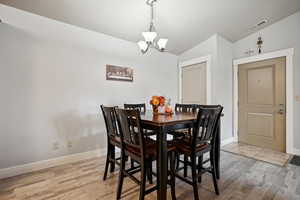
(158, 49)
(148, 46)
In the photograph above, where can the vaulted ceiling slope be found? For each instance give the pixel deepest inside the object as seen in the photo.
(185, 22)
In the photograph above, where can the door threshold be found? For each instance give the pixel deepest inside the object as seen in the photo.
(258, 153)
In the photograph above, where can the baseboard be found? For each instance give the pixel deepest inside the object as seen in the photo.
(35, 166)
(227, 141)
(296, 152)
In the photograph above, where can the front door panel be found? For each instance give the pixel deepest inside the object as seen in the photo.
(262, 104)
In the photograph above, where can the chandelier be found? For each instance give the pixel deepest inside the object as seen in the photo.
(150, 37)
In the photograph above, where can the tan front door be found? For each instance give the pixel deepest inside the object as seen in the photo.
(262, 104)
(194, 84)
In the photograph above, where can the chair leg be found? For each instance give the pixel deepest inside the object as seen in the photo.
(143, 182)
(194, 177)
(106, 163)
(214, 173)
(177, 160)
(121, 177)
(185, 166)
(200, 161)
(149, 171)
(173, 163)
(113, 157)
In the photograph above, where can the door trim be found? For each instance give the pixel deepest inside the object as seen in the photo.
(288, 53)
(194, 61)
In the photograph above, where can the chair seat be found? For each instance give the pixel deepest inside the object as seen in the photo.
(150, 148)
(185, 131)
(116, 141)
(185, 146)
(180, 133)
(170, 137)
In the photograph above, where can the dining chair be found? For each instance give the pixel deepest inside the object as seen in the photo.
(203, 140)
(201, 161)
(113, 138)
(139, 147)
(141, 107)
(185, 107)
(190, 108)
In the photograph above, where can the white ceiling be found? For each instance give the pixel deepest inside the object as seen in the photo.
(185, 22)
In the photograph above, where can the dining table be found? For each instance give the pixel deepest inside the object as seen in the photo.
(162, 124)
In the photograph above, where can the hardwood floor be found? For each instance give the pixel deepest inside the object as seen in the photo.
(242, 179)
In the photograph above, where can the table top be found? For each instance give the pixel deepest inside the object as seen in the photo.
(163, 119)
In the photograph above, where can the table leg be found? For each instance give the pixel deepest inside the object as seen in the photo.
(218, 150)
(161, 164)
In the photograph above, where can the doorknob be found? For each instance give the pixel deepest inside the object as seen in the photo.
(281, 111)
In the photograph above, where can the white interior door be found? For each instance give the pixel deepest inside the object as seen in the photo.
(193, 84)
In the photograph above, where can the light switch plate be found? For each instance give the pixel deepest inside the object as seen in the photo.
(297, 98)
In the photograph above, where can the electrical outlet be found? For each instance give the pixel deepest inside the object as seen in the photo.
(297, 98)
(70, 144)
(55, 146)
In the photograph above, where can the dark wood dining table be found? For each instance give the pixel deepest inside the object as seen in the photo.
(163, 124)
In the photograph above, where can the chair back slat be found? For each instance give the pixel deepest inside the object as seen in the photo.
(204, 130)
(131, 133)
(109, 116)
(141, 107)
(185, 108)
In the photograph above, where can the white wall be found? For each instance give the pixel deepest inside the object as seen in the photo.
(52, 82)
(223, 76)
(208, 47)
(221, 51)
(281, 35)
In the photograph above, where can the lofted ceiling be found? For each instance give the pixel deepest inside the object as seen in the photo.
(185, 22)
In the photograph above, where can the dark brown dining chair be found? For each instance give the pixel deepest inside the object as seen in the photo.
(203, 140)
(141, 107)
(187, 108)
(113, 138)
(217, 146)
(136, 145)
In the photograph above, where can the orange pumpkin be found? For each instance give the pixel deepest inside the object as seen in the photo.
(168, 109)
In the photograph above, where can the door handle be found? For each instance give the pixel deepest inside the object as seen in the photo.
(281, 111)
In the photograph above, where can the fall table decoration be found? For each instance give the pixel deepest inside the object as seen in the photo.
(156, 102)
(159, 105)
